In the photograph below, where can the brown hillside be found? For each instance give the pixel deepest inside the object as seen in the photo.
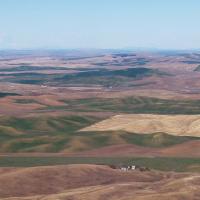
(81, 182)
(186, 149)
(49, 180)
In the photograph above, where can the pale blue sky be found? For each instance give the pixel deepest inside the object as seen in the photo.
(99, 24)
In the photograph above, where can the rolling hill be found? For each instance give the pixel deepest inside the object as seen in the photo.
(80, 182)
(178, 125)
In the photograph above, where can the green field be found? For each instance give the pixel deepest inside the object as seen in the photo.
(55, 134)
(132, 105)
(4, 94)
(44, 134)
(99, 76)
(164, 164)
(61, 133)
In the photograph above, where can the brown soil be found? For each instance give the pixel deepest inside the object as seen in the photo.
(186, 149)
(81, 182)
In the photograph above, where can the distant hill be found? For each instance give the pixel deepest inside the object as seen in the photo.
(104, 77)
(197, 69)
(107, 77)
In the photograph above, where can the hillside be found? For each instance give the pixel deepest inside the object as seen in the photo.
(67, 76)
(178, 125)
(81, 182)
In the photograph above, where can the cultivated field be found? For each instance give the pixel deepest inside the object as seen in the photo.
(178, 125)
(66, 116)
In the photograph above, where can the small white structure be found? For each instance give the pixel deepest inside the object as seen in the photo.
(133, 167)
(124, 168)
(128, 168)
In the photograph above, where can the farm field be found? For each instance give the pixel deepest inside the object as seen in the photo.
(154, 163)
(83, 113)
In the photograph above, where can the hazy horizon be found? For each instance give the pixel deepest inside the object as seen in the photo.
(127, 24)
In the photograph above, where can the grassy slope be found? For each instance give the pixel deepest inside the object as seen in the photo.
(133, 105)
(41, 133)
(95, 77)
(165, 164)
(55, 134)
(4, 94)
(61, 134)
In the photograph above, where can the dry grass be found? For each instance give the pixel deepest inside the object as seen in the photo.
(69, 182)
(179, 125)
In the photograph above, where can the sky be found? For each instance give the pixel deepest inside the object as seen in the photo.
(71, 24)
